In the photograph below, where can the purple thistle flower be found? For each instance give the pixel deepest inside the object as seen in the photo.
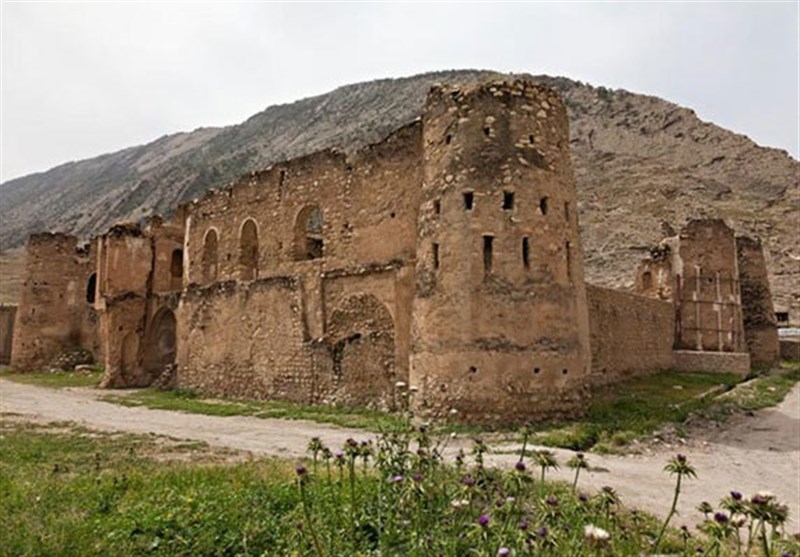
(504, 551)
(681, 458)
(583, 497)
(469, 481)
(722, 518)
(523, 524)
(483, 520)
(520, 466)
(397, 479)
(301, 470)
(736, 496)
(542, 532)
(417, 477)
(552, 500)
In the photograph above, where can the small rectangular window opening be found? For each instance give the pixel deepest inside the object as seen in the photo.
(508, 200)
(566, 211)
(435, 255)
(437, 207)
(487, 253)
(782, 316)
(569, 261)
(526, 253)
(469, 200)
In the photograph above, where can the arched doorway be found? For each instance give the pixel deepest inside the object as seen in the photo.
(361, 340)
(161, 345)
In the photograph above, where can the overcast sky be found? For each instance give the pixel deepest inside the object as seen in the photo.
(82, 79)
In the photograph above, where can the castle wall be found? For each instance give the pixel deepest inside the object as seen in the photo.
(55, 313)
(707, 289)
(140, 271)
(630, 335)
(7, 316)
(368, 204)
(246, 340)
(500, 323)
(758, 313)
(299, 281)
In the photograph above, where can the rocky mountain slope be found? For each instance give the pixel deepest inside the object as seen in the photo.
(642, 164)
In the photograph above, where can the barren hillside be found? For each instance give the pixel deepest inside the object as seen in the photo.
(642, 163)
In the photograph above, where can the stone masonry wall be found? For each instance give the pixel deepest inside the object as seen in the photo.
(758, 314)
(7, 316)
(630, 335)
(299, 285)
(707, 291)
(55, 313)
(500, 324)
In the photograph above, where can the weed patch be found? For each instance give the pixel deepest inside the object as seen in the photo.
(56, 379)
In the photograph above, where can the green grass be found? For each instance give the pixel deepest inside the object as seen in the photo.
(633, 409)
(189, 401)
(58, 379)
(67, 491)
(763, 391)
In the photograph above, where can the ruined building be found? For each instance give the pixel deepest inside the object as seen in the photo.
(447, 257)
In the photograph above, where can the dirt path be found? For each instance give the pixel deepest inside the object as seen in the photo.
(749, 455)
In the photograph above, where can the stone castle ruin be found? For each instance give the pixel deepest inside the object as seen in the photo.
(447, 257)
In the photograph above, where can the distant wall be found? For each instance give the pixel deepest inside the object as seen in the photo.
(7, 314)
(630, 335)
(56, 311)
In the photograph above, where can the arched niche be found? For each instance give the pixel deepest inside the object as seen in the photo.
(308, 239)
(210, 258)
(248, 250)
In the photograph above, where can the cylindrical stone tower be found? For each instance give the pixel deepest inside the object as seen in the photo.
(500, 322)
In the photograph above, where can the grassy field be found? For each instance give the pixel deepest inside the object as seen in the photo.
(67, 491)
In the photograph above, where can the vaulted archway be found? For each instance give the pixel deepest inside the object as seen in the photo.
(361, 339)
(161, 345)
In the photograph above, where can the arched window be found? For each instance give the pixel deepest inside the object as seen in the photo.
(210, 244)
(308, 242)
(176, 264)
(248, 251)
(91, 288)
(647, 280)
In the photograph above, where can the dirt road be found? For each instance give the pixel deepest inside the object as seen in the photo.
(751, 454)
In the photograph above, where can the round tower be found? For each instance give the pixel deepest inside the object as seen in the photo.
(500, 322)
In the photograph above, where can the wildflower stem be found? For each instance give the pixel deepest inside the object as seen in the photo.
(307, 514)
(670, 514)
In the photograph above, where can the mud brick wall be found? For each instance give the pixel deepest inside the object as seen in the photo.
(707, 289)
(246, 340)
(630, 335)
(7, 315)
(758, 313)
(56, 311)
(500, 324)
(361, 209)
